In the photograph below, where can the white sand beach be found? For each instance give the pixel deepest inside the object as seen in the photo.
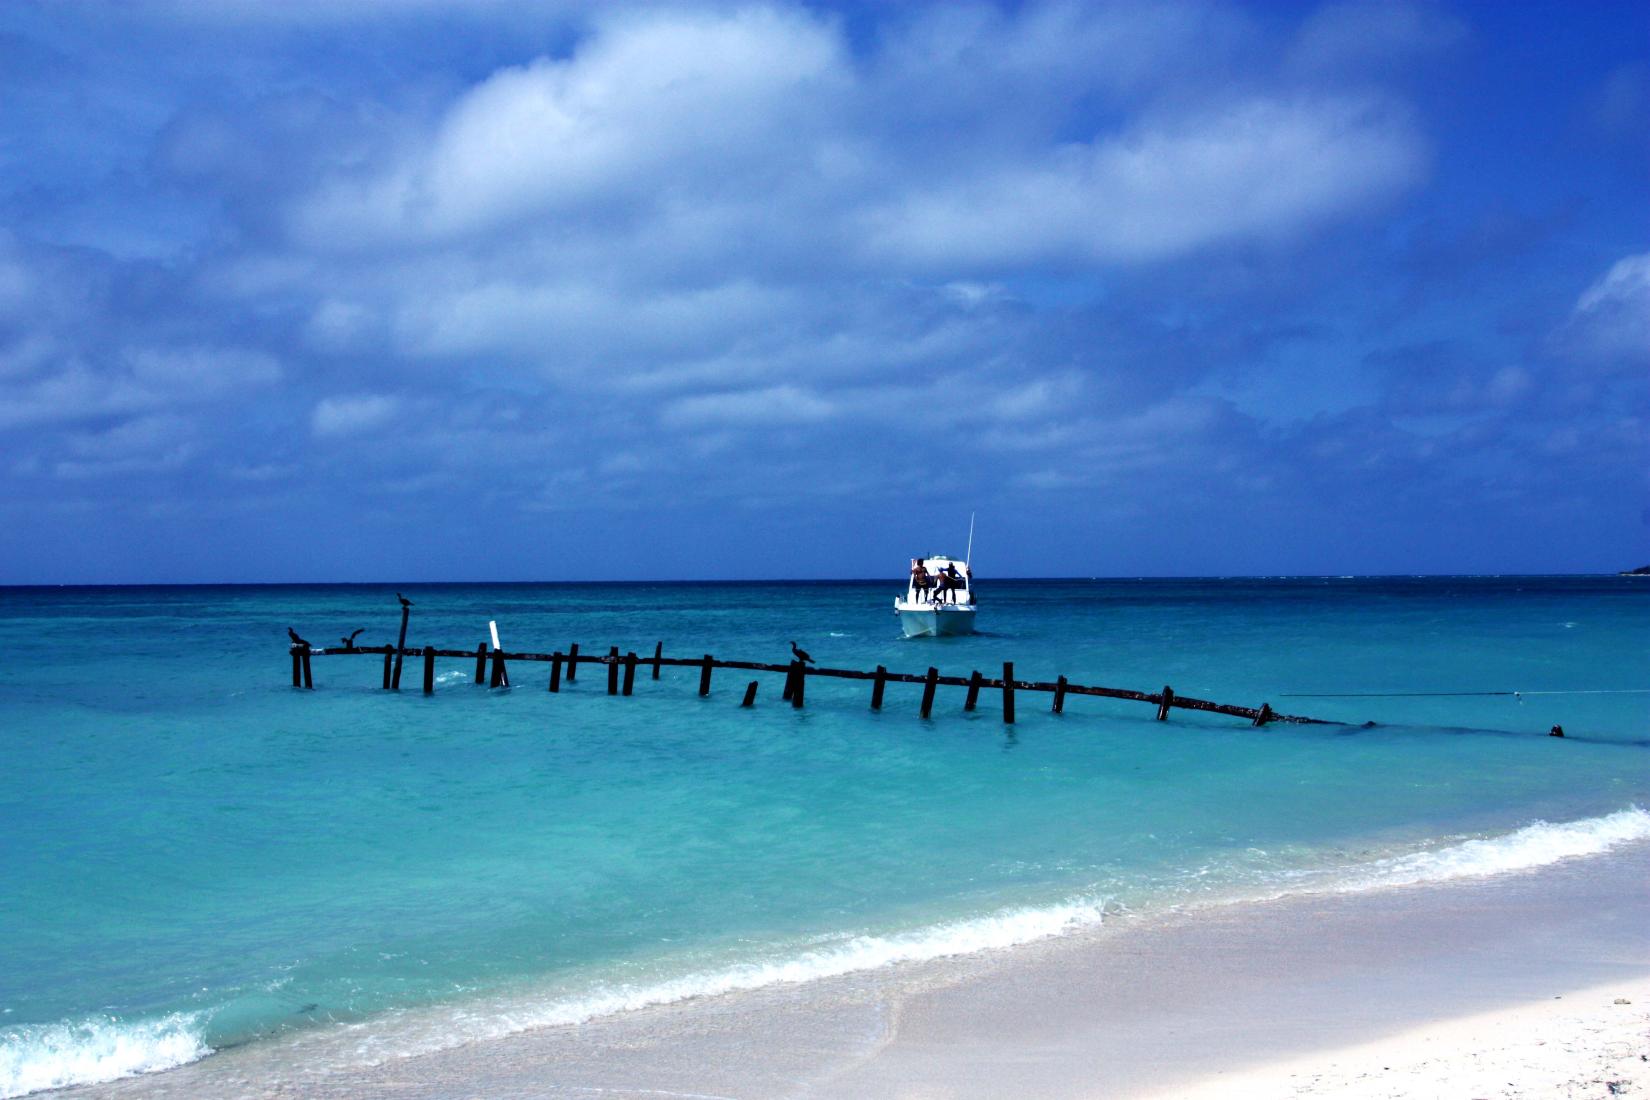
(1505, 986)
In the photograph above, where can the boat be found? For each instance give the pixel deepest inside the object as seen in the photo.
(944, 606)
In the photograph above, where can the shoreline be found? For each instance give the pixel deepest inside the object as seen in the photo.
(1139, 1007)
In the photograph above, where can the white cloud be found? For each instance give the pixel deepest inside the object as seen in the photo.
(773, 405)
(1611, 319)
(349, 415)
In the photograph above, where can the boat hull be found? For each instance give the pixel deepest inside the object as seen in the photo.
(931, 623)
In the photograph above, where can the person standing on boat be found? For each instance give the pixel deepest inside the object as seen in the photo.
(953, 581)
(919, 579)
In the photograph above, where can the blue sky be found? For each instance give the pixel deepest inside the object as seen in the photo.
(420, 290)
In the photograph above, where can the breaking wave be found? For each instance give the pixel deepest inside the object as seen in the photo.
(98, 1048)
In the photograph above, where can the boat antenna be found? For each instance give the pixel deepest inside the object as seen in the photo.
(968, 558)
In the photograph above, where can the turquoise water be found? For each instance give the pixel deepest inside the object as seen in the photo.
(199, 856)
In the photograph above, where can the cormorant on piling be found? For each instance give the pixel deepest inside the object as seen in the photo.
(404, 601)
(349, 642)
(293, 634)
(801, 655)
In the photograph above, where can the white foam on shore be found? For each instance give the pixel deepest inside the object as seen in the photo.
(99, 1048)
(1537, 844)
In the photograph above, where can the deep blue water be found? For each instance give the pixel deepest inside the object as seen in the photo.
(198, 855)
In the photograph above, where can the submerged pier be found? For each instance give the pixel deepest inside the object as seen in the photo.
(492, 668)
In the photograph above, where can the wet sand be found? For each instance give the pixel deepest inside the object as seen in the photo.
(1260, 998)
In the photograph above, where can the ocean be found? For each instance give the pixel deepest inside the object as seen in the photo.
(198, 857)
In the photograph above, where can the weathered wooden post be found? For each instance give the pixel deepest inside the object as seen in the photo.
(1167, 701)
(613, 670)
(501, 678)
(401, 645)
(704, 676)
(389, 665)
(928, 690)
(1008, 693)
(629, 672)
(877, 685)
(555, 671)
(481, 663)
(790, 682)
(297, 668)
(573, 662)
(973, 690)
(800, 673)
(1264, 715)
(658, 657)
(429, 670)
(750, 694)
(1060, 695)
(308, 683)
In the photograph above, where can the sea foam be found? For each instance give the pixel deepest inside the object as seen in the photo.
(98, 1048)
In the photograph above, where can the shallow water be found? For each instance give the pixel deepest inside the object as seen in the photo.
(199, 856)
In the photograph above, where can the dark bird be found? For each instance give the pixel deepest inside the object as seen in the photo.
(404, 601)
(801, 655)
(293, 634)
(349, 642)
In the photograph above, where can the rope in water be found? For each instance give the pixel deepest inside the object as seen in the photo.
(1429, 694)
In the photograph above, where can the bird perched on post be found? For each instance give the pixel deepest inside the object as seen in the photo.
(404, 601)
(293, 634)
(349, 642)
(801, 655)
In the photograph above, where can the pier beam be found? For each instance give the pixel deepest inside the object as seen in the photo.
(973, 690)
(297, 668)
(1166, 701)
(1264, 714)
(629, 672)
(308, 683)
(799, 683)
(658, 657)
(573, 662)
(1008, 693)
(877, 685)
(704, 675)
(928, 691)
(613, 670)
(389, 664)
(555, 671)
(500, 677)
(1060, 695)
(481, 663)
(400, 647)
(750, 694)
(429, 670)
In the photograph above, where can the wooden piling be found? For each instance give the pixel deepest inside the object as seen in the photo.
(1008, 693)
(613, 670)
(400, 647)
(481, 663)
(573, 662)
(799, 673)
(928, 690)
(500, 677)
(555, 671)
(1264, 715)
(629, 672)
(1166, 700)
(973, 690)
(750, 694)
(1060, 695)
(880, 682)
(429, 670)
(389, 664)
(658, 657)
(297, 669)
(308, 683)
(790, 682)
(704, 675)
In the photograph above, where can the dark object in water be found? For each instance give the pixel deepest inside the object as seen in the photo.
(349, 642)
(801, 655)
(1556, 731)
(293, 634)
(404, 601)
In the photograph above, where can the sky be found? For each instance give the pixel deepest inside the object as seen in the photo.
(407, 290)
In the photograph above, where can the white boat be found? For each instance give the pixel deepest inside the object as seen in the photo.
(941, 606)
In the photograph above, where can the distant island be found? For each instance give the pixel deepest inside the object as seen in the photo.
(1641, 571)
